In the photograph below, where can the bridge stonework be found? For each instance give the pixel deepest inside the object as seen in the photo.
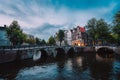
(37, 52)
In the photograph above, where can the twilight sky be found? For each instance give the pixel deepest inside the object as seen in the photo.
(43, 18)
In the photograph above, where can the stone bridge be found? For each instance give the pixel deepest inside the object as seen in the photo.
(108, 48)
(12, 53)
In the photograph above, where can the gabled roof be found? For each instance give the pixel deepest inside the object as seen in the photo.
(82, 29)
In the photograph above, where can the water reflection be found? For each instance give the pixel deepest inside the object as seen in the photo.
(80, 67)
(60, 69)
(8, 71)
(101, 70)
(79, 61)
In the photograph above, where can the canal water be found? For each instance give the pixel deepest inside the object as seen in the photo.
(85, 66)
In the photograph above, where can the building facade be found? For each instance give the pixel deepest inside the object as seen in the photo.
(4, 41)
(75, 37)
(79, 36)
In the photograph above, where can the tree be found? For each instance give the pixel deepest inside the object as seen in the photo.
(51, 40)
(116, 28)
(103, 30)
(116, 21)
(38, 41)
(60, 36)
(43, 42)
(98, 30)
(15, 34)
(92, 29)
(31, 41)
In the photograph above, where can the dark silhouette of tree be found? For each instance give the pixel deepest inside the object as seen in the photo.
(116, 28)
(60, 36)
(92, 29)
(15, 34)
(38, 41)
(31, 41)
(51, 40)
(43, 42)
(103, 31)
(98, 30)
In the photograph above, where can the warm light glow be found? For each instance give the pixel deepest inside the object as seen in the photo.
(82, 44)
(79, 61)
(77, 43)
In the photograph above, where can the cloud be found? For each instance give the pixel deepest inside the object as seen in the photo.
(43, 18)
(44, 31)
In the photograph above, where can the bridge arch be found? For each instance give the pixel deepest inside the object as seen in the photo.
(105, 52)
(36, 55)
(71, 52)
(105, 49)
(40, 54)
(43, 53)
(60, 52)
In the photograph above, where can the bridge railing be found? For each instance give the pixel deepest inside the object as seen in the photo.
(31, 46)
(17, 46)
(25, 46)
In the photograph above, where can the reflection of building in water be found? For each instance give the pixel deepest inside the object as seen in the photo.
(69, 64)
(79, 64)
(102, 70)
(79, 61)
(4, 41)
(102, 58)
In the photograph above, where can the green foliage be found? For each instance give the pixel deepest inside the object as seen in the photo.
(51, 41)
(91, 28)
(38, 41)
(15, 34)
(117, 18)
(31, 41)
(43, 42)
(98, 29)
(102, 29)
(60, 36)
(116, 28)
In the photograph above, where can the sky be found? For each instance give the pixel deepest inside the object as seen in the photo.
(43, 18)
